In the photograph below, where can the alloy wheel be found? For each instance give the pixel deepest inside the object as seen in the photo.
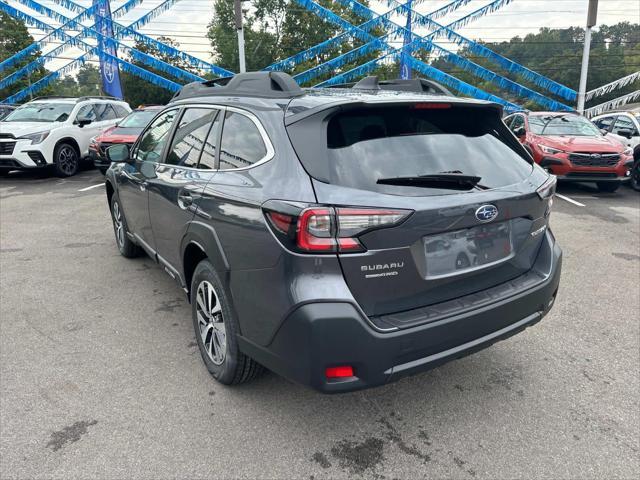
(67, 160)
(118, 224)
(211, 322)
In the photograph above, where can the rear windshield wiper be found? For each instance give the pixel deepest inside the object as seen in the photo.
(451, 181)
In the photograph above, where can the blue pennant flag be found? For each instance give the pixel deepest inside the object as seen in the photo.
(109, 69)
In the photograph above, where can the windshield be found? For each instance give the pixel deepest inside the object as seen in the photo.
(572, 125)
(374, 148)
(41, 112)
(138, 119)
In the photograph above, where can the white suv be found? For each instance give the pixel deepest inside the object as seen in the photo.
(55, 131)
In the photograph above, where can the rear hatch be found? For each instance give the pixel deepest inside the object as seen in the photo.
(464, 187)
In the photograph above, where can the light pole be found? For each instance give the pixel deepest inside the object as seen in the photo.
(591, 21)
(237, 6)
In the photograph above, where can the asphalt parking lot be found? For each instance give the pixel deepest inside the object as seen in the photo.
(100, 375)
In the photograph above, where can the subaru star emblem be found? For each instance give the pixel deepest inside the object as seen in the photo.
(486, 213)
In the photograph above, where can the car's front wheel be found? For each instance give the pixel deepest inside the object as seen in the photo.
(216, 329)
(608, 187)
(66, 160)
(125, 245)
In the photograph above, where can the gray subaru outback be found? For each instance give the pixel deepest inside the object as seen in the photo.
(344, 237)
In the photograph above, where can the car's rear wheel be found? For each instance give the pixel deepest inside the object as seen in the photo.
(125, 245)
(635, 176)
(216, 329)
(66, 160)
(608, 187)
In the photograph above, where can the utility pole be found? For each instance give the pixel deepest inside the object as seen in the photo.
(591, 21)
(237, 6)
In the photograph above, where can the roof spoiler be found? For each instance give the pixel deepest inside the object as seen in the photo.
(254, 84)
(420, 85)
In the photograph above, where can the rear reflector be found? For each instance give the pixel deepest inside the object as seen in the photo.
(344, 371)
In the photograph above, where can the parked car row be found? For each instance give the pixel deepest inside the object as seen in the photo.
(573, 148)
(61, 132)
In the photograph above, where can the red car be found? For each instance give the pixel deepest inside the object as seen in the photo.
(572, 148)
(126, 131)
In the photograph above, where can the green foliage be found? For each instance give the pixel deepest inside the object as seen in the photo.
(14, 37)
(86, 82)
(557, 54)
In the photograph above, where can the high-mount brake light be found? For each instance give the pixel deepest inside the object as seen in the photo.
(321, 229)
(430, 106)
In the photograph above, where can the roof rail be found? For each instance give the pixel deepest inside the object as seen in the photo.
(77, 99)
(252, 84)
(421, 85)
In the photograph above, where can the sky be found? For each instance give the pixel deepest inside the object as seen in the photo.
(186, 22)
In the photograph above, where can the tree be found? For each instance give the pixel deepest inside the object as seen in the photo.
(557, 54)
(86, 82)
(138, 91)
(14, 37)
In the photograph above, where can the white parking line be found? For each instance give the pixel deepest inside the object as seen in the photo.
(92, 186)
(570, 200)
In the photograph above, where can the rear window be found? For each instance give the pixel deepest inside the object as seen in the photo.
(365, 145)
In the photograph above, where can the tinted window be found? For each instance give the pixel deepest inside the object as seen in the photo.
(367, 145)
(605, 122)
(104, 111)
(208, 157)
(241, 144)
(155, 137)
(624, 123)
(190, 137)
(86, 112)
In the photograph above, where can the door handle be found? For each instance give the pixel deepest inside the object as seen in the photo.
(184, 200)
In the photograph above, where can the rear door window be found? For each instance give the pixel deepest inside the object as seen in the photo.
(365, 145)
(242, 144)
(190, 137)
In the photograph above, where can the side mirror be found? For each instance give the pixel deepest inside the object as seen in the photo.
(118, 153)
(625, 132)
(81, 122)
(520, 132)
(604, 131)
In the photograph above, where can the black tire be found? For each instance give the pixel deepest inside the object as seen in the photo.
(103, 170)
(4, 172)
(608, 187)
(127, 248)
(634, 182)
(232, 366)
(66, 160)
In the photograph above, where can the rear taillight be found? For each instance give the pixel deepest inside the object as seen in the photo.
(546, 193)
(321, 229)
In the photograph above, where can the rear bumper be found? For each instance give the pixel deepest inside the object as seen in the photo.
(326, 334)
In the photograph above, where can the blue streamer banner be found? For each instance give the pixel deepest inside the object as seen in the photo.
(444, 78)
(313, 52)
(38, 45)
(110, 43)
(374, 43)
